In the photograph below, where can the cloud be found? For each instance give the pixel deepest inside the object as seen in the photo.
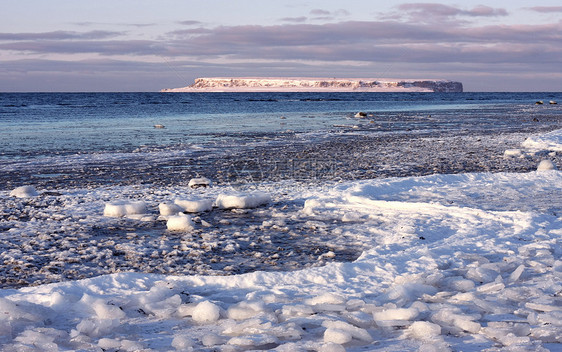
(295, 47)
(108, 47)
(59, 35)
(89, 24)
(546, 9)
(190, 23)
(300, 19)
(320, 12)
(434, 12)
(330, 42)
(325, 15)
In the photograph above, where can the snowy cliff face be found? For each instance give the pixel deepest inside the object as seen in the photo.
(318, 84)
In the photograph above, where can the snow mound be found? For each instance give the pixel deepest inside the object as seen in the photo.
(194, 205)
(242, 201)
(180, 222)
(546, 165)
(206, 312)
(424, 330)
(24, 192)
(122, 208)
(167, 209)
(551, 141)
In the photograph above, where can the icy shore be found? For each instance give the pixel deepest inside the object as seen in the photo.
(255, 84)
(450, 262)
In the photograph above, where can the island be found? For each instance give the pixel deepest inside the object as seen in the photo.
(286, 84)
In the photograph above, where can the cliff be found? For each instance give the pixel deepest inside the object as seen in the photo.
(318, 85)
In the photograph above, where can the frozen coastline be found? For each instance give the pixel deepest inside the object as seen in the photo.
(302, 84)
(449, 262)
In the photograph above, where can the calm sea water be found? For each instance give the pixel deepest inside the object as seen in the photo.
(45, 124)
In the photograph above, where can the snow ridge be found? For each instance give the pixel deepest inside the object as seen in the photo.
(281, 84)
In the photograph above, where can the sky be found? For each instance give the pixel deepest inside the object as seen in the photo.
(147, 45)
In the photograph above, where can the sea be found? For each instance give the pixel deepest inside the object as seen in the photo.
(46, 132)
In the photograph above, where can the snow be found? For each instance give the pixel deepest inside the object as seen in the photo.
(24, 192)
(180, 222)
(122, 208)
(206, 312)
(194, 205)
(545, 165)
(303, 84)
(242, 200)
(465, 262)
(551, 141)
(199, 182)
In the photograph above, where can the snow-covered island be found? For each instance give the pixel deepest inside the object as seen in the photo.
(300, 84)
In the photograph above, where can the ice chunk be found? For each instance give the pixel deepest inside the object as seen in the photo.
(424, 330)
(133, 346)
(211, 339)
(541, 307)
(245, 310)
(38, 339)
(241, 201)
(297, 310)
(167, 209)
(24, 192)
(106, 311)
(482, 274)
(107, 343)
(181, 222)
(466, 324)
(513, 153)
(195, 205)
(206, 312)
(263, 341)
(549, 334)
(337, 336)
(326, 298)
(546, 165)
(516, 274)
(396, 314)
(199, 182)
(457, 283)
(123, 208)
(331, 347)
(491, 287)
(97, 327)
(354, 331)
(182, 342)
(402, 294)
